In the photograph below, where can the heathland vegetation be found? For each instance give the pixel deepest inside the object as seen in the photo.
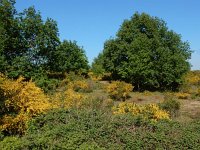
(139, 93)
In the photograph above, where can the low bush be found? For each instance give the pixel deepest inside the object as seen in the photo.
(81, 86)
(72, 76)
(95, 77)
(182, 95)
(191, 83)
(170, 105)
(193, 78)
(119, 90)
(47, 84)
(20, 101)
(67, 99)
(95, 129)
(150, 112)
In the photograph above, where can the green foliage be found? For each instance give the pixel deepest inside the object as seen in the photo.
(30, 47)
(9, 35)
(15, 143)
(41, 38)
(97, 65)
(70, 57)
(171, 105)
(146, 54)
(47, 84)
(95, 129)
(26, 41)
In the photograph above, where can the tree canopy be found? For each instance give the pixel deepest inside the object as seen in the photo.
(147, 54)
(28, 44)
(69, 57)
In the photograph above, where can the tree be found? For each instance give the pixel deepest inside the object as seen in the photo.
(26, 41)
(69, 57)
(97, 65)
(41, 38)
(147, 54)
(29, 44)
(9, 35)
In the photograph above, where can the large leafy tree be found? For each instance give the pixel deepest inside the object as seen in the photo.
(69, 57)
(147, 54)
(11, 45)
(27, 42)
(29, 45)
(41, 38)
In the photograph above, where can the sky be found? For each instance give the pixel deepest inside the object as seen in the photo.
(92, 22)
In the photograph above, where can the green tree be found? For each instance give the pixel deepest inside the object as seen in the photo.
(26, 41)
(29, 44)
(10, 44)
(41, 38)
(147, 54)
(70, 57)
(97, 65)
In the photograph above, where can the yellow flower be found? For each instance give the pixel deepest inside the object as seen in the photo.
(150, 111)
(119, 90)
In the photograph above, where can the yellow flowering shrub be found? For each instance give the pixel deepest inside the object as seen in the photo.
(14, 124)
(94, 77)
(79, 85)
(182, 95)
(119, 90)
(192, 83)
(193, 77)
(21, 101)
(25, 97)
(150, 111)
(67, 99)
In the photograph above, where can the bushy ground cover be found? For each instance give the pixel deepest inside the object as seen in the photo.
(96, 129)
(82, 113)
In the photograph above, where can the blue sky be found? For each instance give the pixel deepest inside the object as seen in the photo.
(92, 22)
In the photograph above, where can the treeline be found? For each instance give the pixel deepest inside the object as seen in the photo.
(144, 52)
(30, 46)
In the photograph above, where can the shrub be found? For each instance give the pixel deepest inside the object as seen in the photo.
(67, 99)
(81, 86)
(147, 93)
(192, 83)
(170, 105)
(119, 90)
(95, 77)
(108, 103)
(47, 84)
(193, 78)
(72, 76)
(181, 95)
(150, 112)
(20, 101)
(95, 129)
